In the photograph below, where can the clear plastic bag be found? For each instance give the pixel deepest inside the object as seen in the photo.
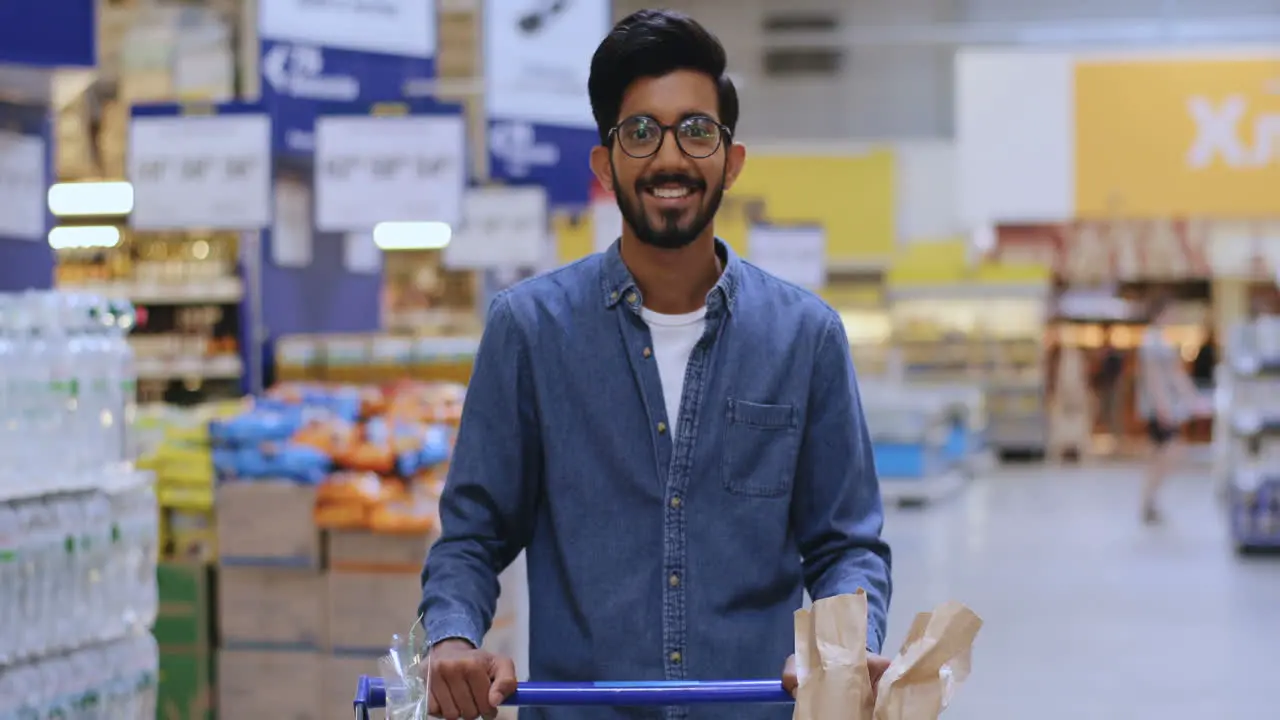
(406, 672)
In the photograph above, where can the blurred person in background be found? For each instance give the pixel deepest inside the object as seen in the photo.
(1166, 400)
(1203, 369)
(1107, 387)
(673, 436)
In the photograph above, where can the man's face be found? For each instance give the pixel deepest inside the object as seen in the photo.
(668, 198)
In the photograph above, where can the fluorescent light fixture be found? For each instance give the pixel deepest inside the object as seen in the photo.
(84, 237)
(411, 235)
(91, 199)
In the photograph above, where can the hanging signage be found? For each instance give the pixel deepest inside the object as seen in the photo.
(795, 253)
(389, 27)
(1178, 137)
(210, 171)
(554, 157)
(48, 33)
(502, 227)
(372, 169)
(22, 186)
(537, 58)
(299, 79)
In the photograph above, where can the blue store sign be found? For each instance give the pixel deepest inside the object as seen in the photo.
(556, 157)
(48, 33)
(299, 79)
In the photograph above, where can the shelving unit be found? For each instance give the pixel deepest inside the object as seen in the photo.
(1249, 459)
(190, 298)
(987, 337)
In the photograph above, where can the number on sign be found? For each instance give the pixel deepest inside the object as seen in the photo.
(151, 171)
(195, 168)
(431, 167)
(385, 167)
(340, 167)
(238, 168)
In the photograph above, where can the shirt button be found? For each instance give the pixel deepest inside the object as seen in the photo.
(675, 501)
(613, 295)
(631, 298)
(647, 352)
(675, 657)
(662, 427)
(674, 580)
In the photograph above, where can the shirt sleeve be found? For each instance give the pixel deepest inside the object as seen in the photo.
(486, 509)
(836, 506)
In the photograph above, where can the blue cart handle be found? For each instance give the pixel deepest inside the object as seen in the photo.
(372, 693)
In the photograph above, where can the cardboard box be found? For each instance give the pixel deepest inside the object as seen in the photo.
(367, 608)
(185, 691)
(267, 523)
(266, 607)
(185, 617)
(276, 685)
(373, 552)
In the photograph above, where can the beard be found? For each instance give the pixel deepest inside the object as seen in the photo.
(668, 232)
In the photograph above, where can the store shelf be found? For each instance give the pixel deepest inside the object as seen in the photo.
(217, 367)
(1248, 409)
(209, 291)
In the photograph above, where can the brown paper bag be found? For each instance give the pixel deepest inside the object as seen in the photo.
(831, 659)
(934, 660)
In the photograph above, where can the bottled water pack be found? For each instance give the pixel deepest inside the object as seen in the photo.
(78, 526)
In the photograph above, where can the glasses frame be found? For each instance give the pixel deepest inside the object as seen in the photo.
(725, 134)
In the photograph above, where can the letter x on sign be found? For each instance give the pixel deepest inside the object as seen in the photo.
(1217, 131)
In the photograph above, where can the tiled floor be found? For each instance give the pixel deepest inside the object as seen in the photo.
(1090, 615)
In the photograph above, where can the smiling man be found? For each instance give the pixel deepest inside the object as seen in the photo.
(672, 434)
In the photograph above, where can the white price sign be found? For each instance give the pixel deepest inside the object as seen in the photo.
(504, 227)
(22, 186)
(538, 57)
(797, 254)
(211, 172)
(390, 27)
(373, 169)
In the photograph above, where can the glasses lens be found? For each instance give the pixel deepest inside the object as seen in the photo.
(699, 136)
(639, 136)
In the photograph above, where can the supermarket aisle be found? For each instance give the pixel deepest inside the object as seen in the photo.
(1089, 614)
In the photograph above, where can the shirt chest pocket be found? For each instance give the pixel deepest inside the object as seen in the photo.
(761, 446)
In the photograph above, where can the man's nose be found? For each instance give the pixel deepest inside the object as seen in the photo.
(670, 155)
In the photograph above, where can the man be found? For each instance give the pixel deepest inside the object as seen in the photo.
(672, 435)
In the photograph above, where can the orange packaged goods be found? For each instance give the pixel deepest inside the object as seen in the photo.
(346, 500)
(411, 516)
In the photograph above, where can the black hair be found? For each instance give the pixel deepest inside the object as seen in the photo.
(650, 44)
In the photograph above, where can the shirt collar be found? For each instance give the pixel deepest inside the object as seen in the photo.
(620, 287)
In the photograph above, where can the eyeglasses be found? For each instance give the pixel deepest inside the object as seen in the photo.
(697, 136)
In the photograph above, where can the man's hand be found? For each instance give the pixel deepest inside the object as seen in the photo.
(467, 683)
(876, 665)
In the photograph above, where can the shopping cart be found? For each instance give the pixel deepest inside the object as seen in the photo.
(372, 693)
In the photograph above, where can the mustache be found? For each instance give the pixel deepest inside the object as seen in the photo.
(670, 179)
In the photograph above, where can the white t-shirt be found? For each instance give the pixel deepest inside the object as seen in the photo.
(674, 337)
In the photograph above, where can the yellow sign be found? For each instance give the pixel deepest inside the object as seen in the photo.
(850, 195)
(1177, 138)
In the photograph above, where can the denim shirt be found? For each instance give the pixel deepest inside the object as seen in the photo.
(655, 555)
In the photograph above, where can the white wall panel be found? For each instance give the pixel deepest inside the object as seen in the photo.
(926, 191)
(1015, 150)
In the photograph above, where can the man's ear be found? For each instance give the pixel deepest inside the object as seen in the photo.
(736, 160)
(601, 167)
